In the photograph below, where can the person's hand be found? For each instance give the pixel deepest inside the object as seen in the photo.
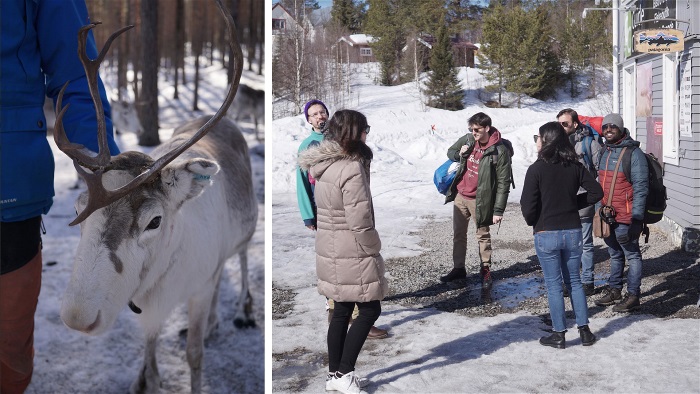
(463, 149)
(497, 219)
(311, 227)
(635, 229)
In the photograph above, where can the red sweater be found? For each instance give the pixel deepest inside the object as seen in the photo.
(467, 186)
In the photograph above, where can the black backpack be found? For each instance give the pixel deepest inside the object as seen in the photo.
(656, 197)
(508, 147)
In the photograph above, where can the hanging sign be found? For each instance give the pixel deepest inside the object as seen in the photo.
(658, 41)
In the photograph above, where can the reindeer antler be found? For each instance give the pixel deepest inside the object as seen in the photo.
(99, 163)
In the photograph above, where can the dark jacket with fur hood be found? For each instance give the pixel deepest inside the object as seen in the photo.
(348, 264)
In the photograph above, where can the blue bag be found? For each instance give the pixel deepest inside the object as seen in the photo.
(444, 175)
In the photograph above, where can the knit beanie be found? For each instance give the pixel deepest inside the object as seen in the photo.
(313, 102)
(615, 119)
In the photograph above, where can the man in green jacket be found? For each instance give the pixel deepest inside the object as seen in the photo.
(480, 191)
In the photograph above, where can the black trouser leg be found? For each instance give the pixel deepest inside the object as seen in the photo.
(337, 331)
(356, 336)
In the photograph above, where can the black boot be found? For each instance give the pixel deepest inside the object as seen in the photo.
(587, 337)
(556, 340)
(456, 273)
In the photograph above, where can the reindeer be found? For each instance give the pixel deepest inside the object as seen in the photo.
(155, 231)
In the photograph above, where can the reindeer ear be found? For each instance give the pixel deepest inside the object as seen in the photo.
(186, 179)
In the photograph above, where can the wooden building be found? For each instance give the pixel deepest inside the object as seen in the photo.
(657, 92)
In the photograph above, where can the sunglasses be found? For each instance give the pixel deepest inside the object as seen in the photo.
(565, 124)
(477, 129)
(367, 129)
(536, 137)
(610, 126)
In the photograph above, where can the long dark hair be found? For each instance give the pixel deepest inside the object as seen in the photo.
(345, 128)
(556, 147)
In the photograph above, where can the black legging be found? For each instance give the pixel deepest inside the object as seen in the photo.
(344, 345)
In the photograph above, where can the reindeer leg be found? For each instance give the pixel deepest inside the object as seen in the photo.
(198, 309)
(213, 320)
(244, 309)
(148, 380)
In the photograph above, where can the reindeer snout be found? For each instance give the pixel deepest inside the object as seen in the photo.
(80, 320)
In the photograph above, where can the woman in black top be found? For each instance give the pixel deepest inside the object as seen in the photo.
(550, 203)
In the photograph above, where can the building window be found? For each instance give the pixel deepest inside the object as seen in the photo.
(278, 24)
(670, 107)
(365, 51)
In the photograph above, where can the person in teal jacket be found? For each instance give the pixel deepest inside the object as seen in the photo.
(39, 54)
(316, 114)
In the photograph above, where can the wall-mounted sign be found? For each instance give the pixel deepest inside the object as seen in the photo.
(653, 15)
(658, 41)
(686, 92)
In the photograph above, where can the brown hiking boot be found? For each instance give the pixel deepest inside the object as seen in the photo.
(630, 302)
(610, 295)
(377, 333)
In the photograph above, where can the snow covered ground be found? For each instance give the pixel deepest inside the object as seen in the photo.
(67, 361)
(438, 352)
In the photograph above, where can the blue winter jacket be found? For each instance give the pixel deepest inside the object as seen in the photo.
(39, 53)
(629, 195)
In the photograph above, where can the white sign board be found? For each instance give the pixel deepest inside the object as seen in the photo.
(686, 92)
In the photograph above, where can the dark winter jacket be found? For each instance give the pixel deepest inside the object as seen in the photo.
(348, 264)
(494, 178)
(630, 195)
(588, 157)
(39, 49)
(550, 199)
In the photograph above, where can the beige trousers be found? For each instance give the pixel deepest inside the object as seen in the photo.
(463, 210)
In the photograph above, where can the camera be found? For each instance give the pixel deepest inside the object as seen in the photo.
(608, 213)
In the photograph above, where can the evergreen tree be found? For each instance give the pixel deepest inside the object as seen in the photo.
(464, 16)
(494, 54)
(443, 88)
(527, 72)
(347, 14)
(385, 23)
(300, 7)
(425, 16)
(516, 51)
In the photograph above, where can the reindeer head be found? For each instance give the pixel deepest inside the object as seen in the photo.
(128, 214)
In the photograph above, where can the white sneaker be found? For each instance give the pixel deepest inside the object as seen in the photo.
(364, 382)
(347, 384)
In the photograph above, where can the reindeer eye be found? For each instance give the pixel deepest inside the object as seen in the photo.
(154, 224)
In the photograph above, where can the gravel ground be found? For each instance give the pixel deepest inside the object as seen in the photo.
(670, 282)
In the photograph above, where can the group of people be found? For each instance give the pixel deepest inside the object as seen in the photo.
(563, 181)
(576, 172)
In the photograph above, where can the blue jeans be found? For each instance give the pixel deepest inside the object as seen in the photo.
(619, 251)
(587, 255)
(559, 253)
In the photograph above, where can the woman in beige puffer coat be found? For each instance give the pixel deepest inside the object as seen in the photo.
(349, 267)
